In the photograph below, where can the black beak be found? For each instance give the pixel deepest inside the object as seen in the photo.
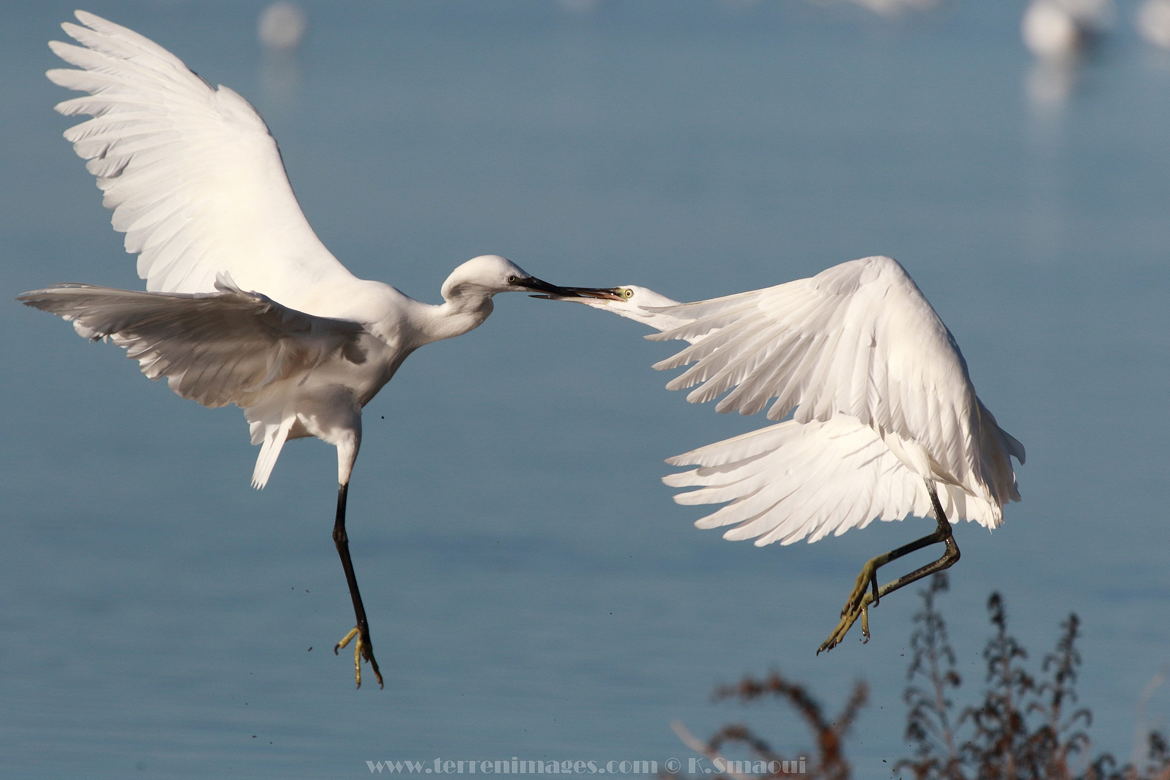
(553, 292)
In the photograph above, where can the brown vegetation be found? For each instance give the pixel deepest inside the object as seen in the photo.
(1025, 725)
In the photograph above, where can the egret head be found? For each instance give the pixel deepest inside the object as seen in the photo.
(491, 274)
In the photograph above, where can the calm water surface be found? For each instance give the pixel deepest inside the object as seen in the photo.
(533, 590)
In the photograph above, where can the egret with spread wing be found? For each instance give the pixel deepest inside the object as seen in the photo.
(882, 419)
(243, 304)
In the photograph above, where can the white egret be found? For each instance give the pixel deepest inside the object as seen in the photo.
(884, 421)
(244, 305)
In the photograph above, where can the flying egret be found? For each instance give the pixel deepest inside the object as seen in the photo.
(884, 421)
(243, 304)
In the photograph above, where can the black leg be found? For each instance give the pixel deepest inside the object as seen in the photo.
(364, 647)
(859, 600)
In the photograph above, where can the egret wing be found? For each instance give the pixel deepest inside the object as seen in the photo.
(214, 348)
(191, 172)
(857, 339)
(794, 481)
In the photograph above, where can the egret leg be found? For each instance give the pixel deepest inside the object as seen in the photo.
(363, 648)
(866, 592)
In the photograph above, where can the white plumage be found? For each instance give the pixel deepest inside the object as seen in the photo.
(878, 392)
(877, 407)
(243, 304)
(191, 174)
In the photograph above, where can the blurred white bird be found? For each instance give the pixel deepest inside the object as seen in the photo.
(1153, 22)
(1062, 30)
(884, 421)
(281, 26)
(244, 305)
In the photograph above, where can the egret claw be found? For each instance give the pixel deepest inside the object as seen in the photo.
(345, 640)
(849, 616)
(361, 649)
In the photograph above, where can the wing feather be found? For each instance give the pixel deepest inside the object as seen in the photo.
(213, 348)
(193, 177)
(792, 481)
(879, 394)
(858, 339)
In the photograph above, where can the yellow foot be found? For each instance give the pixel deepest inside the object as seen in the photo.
(363, 648)
(857, 605)
(849, 616)
(866, 579)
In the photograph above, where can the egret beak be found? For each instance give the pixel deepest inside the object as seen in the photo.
(554, 293)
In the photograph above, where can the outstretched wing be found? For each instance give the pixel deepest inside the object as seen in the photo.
(793, 481)
(214, 348)
(191, 172)
(857, 339)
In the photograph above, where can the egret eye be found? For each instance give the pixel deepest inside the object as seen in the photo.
(626, 293)
(513, 279)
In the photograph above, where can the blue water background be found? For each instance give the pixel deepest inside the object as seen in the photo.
(533, 590)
